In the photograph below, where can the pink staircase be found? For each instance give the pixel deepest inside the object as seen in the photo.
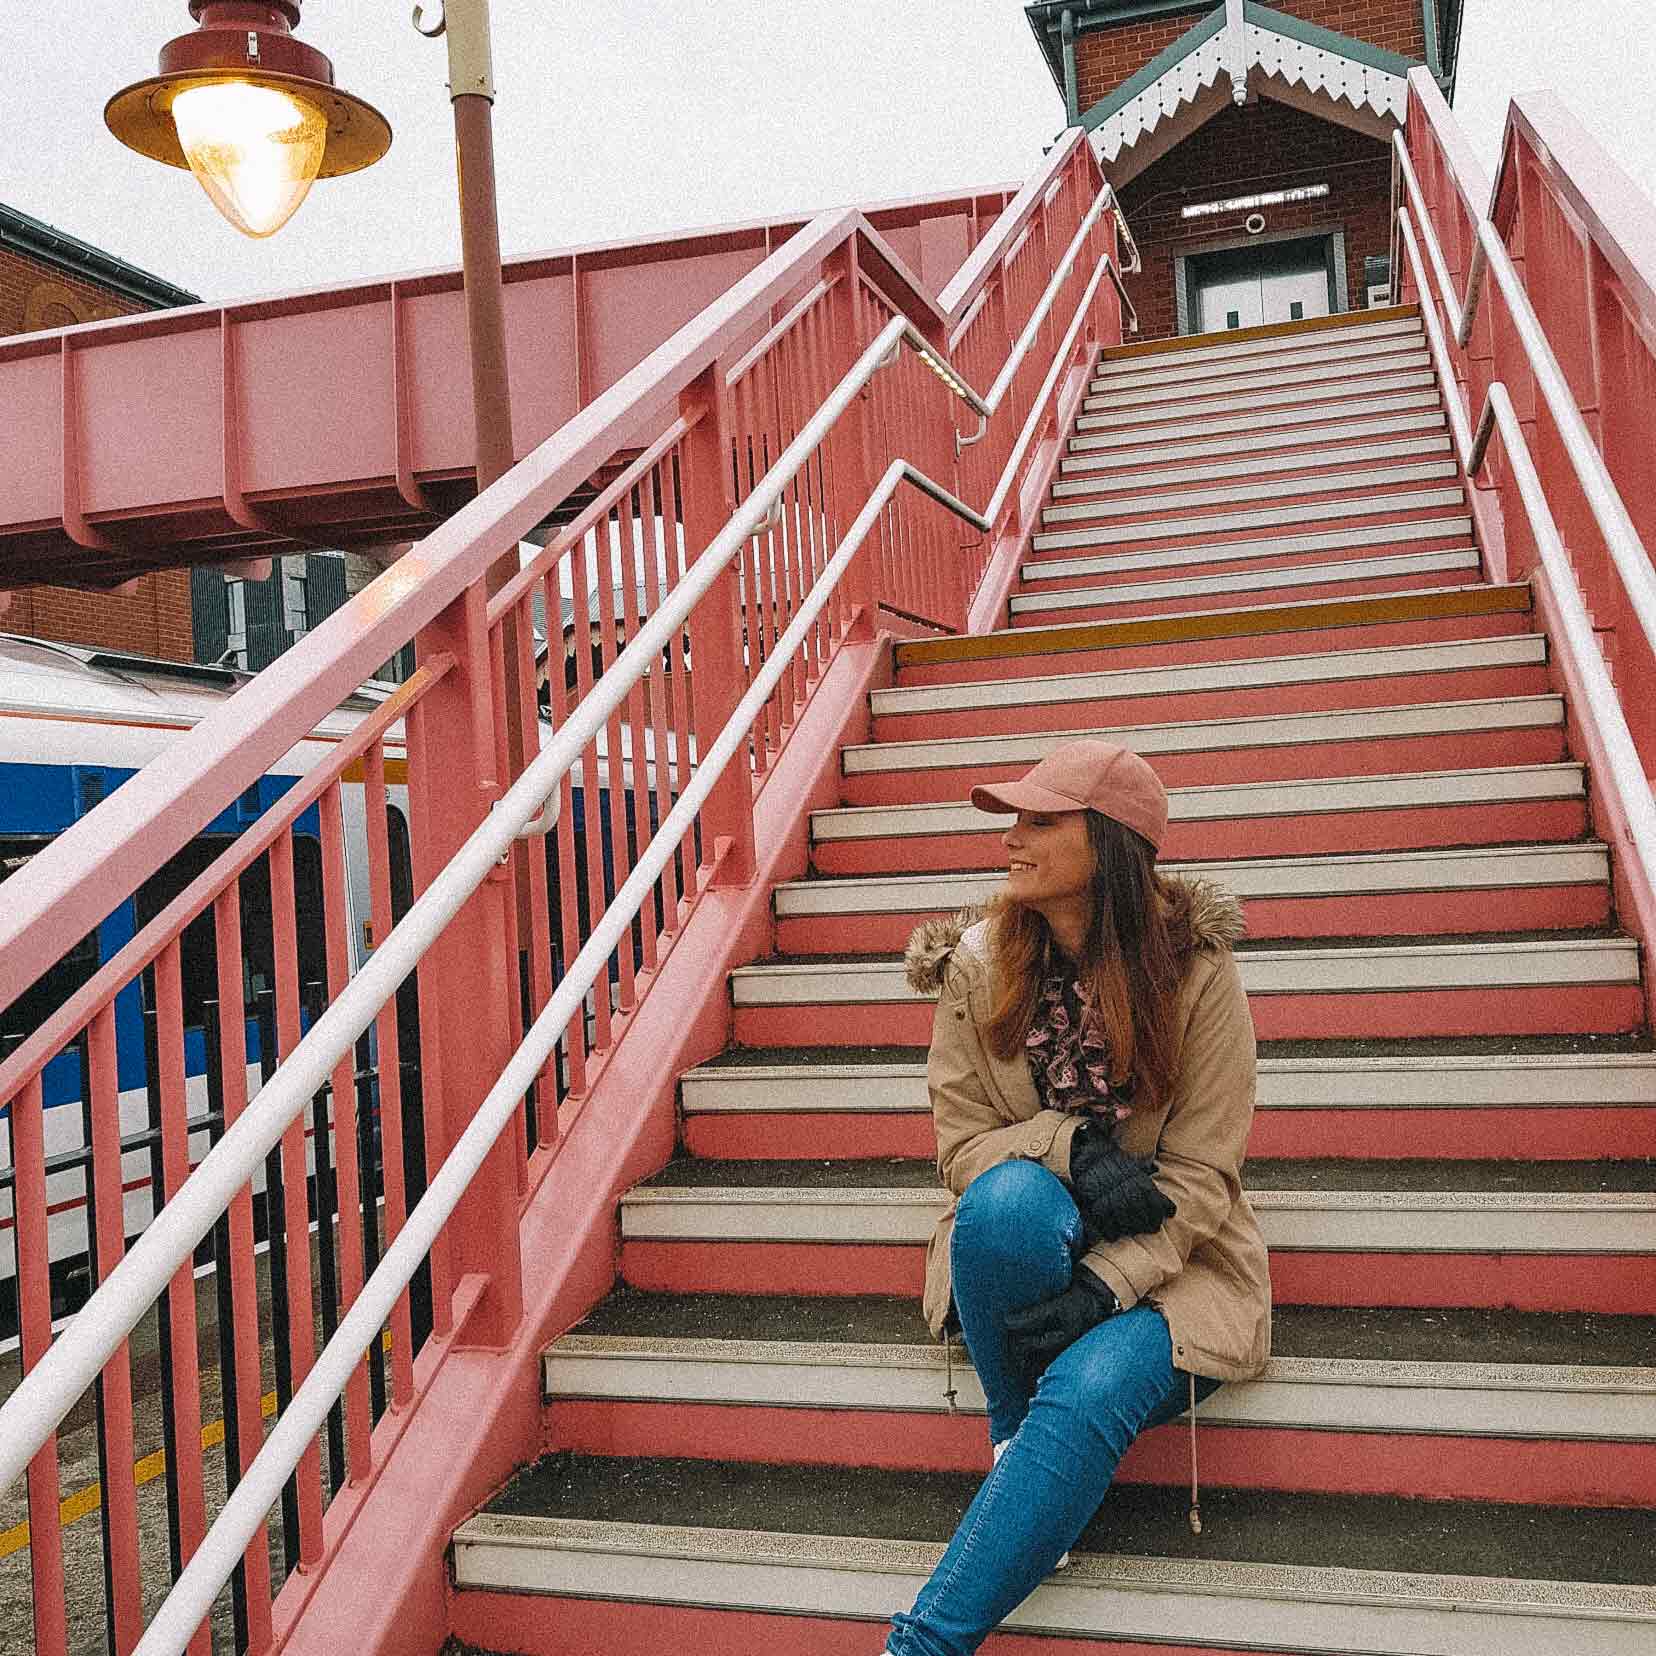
(1257, 567)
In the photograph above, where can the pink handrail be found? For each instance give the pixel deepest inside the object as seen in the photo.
(1548, 341)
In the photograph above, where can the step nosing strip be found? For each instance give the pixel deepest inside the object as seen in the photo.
(1290, 1584)
(1475, 713)
(1255, 672)
(1380, 1373)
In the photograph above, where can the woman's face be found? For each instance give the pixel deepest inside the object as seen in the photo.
(1049, 857)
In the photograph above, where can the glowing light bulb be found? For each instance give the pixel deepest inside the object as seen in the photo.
(255, 150)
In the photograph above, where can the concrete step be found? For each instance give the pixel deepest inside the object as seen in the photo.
(1424, 615)
(1483, 984)
(1367, 480)
(1284, 581)
(1385, 893)
(634, 1557)
(1531, 1236)
(1275, 747)
(1122, 454)
(1340, 399)
(1080, 480)
(815, 1382)
(1546, 1100)
(1265, 357)
(1291, 424)
(1287, 683)
(1174, 356)
(1405, 514)
(1105, 394)
(1481, 805)
(1090, 566)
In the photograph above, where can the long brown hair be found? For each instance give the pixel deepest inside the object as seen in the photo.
(1138, 938)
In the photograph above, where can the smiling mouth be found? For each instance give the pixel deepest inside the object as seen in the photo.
(1019, 867)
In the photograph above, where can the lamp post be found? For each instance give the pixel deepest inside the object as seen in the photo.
(254, 113)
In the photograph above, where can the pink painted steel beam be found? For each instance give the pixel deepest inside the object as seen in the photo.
(329, 417)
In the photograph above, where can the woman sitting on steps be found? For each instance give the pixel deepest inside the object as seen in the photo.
(1092, 1082)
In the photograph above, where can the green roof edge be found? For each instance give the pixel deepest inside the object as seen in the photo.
(1091, 15)
(1153, 71)
(56, 248)
(1328, 40)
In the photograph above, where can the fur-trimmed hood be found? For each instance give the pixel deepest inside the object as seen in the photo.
(1216, 918)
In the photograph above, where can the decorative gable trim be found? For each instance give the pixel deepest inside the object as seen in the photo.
(1238, 39)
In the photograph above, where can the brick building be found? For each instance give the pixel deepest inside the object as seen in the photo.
(1249, 145)
(51, 280)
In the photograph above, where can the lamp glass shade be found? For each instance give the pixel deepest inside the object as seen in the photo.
(255, 150)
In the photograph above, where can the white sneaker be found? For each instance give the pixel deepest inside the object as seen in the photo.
(996, 1451)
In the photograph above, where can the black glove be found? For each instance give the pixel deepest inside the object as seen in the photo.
(1036, 1335)
(1114, 1191)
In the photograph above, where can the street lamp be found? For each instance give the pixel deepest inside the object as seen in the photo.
(255, 115)
(251, 111)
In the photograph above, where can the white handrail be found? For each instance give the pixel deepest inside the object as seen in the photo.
(74, 1360)
(988, 404)
(1626, 549)
(1627, 779)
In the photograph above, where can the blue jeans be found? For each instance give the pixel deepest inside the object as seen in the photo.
(1017, 1235)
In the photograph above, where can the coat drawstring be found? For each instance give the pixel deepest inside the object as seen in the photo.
(1195, 1493)
(948, 1369)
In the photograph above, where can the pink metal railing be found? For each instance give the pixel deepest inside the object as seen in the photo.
(1540, 304)
(689, 434)
(270, 440)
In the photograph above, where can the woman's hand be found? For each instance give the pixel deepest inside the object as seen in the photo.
(1114, 1191)
(1036, 1335)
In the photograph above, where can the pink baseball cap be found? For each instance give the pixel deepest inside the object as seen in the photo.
(1091, 775)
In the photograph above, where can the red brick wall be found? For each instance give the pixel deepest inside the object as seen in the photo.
(1105, 57)
(1392, 25)
(154, 617)
(35, 296)
(1264, 146)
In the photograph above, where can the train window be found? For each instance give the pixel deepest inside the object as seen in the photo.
(200, 955)
(43, 997)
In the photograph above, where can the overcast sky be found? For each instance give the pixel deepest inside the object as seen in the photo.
(619, 118)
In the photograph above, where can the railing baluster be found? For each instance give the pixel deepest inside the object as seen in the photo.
(186, 1485)
(242, 1445)
(347, 1170)
(391, 1160)
(615, 566)
(326, 1186)
(106, 1236)
(157, 1184)
(666, 679)
(34, 1315)
(559, 665)
(224, 1303)
(592, 805)
(707, 488)
(637, 531)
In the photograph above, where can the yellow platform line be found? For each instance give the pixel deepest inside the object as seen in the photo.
(145, 1470)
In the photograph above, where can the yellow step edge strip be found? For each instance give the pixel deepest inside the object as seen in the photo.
(145, 1470)
(1269, 330)
(1209, 624)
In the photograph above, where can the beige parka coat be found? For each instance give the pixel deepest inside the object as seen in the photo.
(1205, 1269)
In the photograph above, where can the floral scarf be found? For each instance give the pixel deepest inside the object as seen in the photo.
(1069, 1058)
